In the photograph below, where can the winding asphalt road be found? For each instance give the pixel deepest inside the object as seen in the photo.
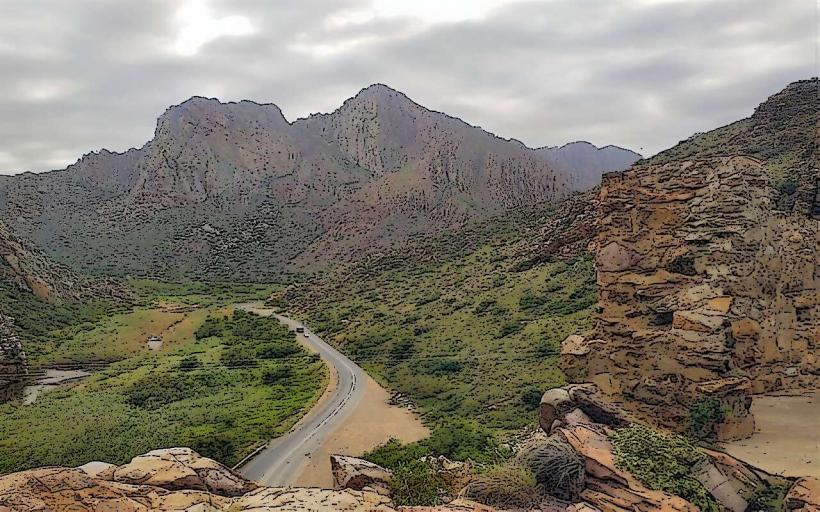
(280, 462)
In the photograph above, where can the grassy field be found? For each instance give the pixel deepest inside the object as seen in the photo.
(222, 382)
(467, 331)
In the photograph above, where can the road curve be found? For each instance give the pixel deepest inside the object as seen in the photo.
(280, 462)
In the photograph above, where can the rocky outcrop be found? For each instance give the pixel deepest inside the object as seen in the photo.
(359, 474)
(804, 496)
(27, 268)
(13, 366)
(165, 480)
(706, 290)
(181, 468)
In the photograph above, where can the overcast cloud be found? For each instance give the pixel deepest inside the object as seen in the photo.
(80, 75)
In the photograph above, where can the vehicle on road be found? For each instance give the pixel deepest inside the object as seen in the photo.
(300, 330)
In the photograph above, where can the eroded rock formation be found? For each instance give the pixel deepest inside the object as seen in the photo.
(706, 289)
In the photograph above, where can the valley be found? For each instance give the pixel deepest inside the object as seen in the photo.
(567, 328)
(203, 387)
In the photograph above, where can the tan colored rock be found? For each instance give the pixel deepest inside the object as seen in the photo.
(694, 321)
(582, 507)
(353, 473)
(458, 505)
(720, 304)
(609, 497)
(72, 489)
(310, 499)
(182, 468)
(554, 404)
(721, 487)
(804, 496)
(97, 469)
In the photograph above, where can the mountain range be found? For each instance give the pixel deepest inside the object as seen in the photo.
(233, 191)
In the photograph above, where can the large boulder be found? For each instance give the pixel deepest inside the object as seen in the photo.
(609, 488)
(804, 496)
(73, 489)
(311, 499)
(182, 468)
(579, 403)
(358, 474)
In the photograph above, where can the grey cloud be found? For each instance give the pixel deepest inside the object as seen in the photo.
(86, 74)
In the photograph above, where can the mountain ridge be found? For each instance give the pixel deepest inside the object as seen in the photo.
(283, 196)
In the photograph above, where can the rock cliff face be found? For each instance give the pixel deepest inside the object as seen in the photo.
(12, 357)
(235, 191)
(26, 268)
(707, 278)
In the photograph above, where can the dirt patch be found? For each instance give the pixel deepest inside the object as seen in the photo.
(787, 438)
(372, 423)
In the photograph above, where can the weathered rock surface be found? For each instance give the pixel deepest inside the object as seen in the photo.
(358, 474)
(701, 292)
(182, 468)
(804, 496)
(707, 269)
(72, 489)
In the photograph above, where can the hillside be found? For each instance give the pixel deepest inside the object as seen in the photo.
(440, 320)
(233, 191)
(38, 295)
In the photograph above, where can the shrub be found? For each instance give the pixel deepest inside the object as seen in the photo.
(557, 468)
(236, 357)
(704, 414)
(509, 328)
(531, 398)
(276, 351)
(189, 363)
(662, 462)
(768, 499)
(415, 483)
(210, 327)
(276, 375)
(509, 487)
(457, 440)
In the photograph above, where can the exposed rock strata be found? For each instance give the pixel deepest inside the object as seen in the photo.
(705, 289)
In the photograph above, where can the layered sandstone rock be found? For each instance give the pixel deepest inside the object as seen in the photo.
(181, 468)
(358, 474)
(706, 289)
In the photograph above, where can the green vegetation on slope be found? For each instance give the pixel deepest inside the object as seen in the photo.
(662, 462)
(36, 320)
(465, 329)
(214, 392)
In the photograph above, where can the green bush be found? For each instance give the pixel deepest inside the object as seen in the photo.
(704, 414)
(531, 398)
(210, 327)
(276, 351)
(237, 357)
(662, 462)
(189, 363)
(457, 440)
(276, 375)
(415, 483)
(768, 499)
(506, 487)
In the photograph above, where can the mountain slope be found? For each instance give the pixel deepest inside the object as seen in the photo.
(442, 319)
(233, 191)
(37, 295)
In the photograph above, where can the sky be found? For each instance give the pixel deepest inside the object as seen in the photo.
(81, 75)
